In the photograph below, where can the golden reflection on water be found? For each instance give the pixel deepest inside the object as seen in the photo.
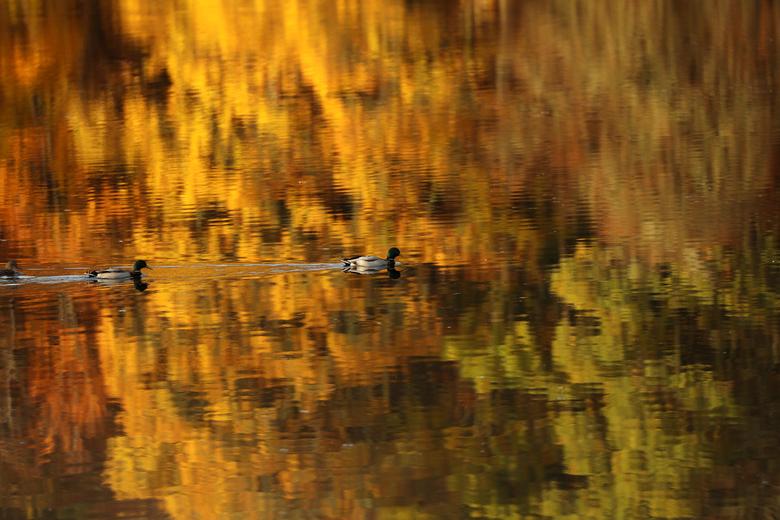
(586, 321)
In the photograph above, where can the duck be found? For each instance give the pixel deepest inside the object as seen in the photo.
(11, 269)
(118, 273)
(373, 262)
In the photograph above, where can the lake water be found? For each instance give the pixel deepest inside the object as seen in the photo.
(585, 321)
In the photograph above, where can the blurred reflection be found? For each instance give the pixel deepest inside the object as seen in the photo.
(137, 282)
(140, 285)
(589, 194)
(391, 271)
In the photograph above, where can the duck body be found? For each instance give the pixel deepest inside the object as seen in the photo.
(11, 270)
(118, 273)
(373, 262)
(114, 273)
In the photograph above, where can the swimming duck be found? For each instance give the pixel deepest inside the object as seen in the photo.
(373, 262)
(11, 269)
(117, 273)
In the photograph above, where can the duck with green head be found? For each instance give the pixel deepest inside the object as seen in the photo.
(11, 270)
(373, 262)
(118, 273)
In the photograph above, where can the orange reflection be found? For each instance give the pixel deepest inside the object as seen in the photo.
(491, 141)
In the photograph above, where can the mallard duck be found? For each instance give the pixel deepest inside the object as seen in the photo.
(118, 273)
(11, 269)
(373, 262)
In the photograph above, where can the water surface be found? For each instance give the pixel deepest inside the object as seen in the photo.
(586, 321)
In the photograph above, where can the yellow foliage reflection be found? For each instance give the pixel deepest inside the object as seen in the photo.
(585, 194)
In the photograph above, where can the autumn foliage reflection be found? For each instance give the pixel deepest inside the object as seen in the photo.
(585, 193)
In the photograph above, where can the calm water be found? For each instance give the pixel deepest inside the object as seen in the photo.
(587, 317)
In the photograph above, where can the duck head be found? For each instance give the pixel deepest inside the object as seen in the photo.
(140, 264)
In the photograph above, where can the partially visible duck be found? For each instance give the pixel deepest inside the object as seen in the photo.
(118, 273)
(373, 262)
(11, 269)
